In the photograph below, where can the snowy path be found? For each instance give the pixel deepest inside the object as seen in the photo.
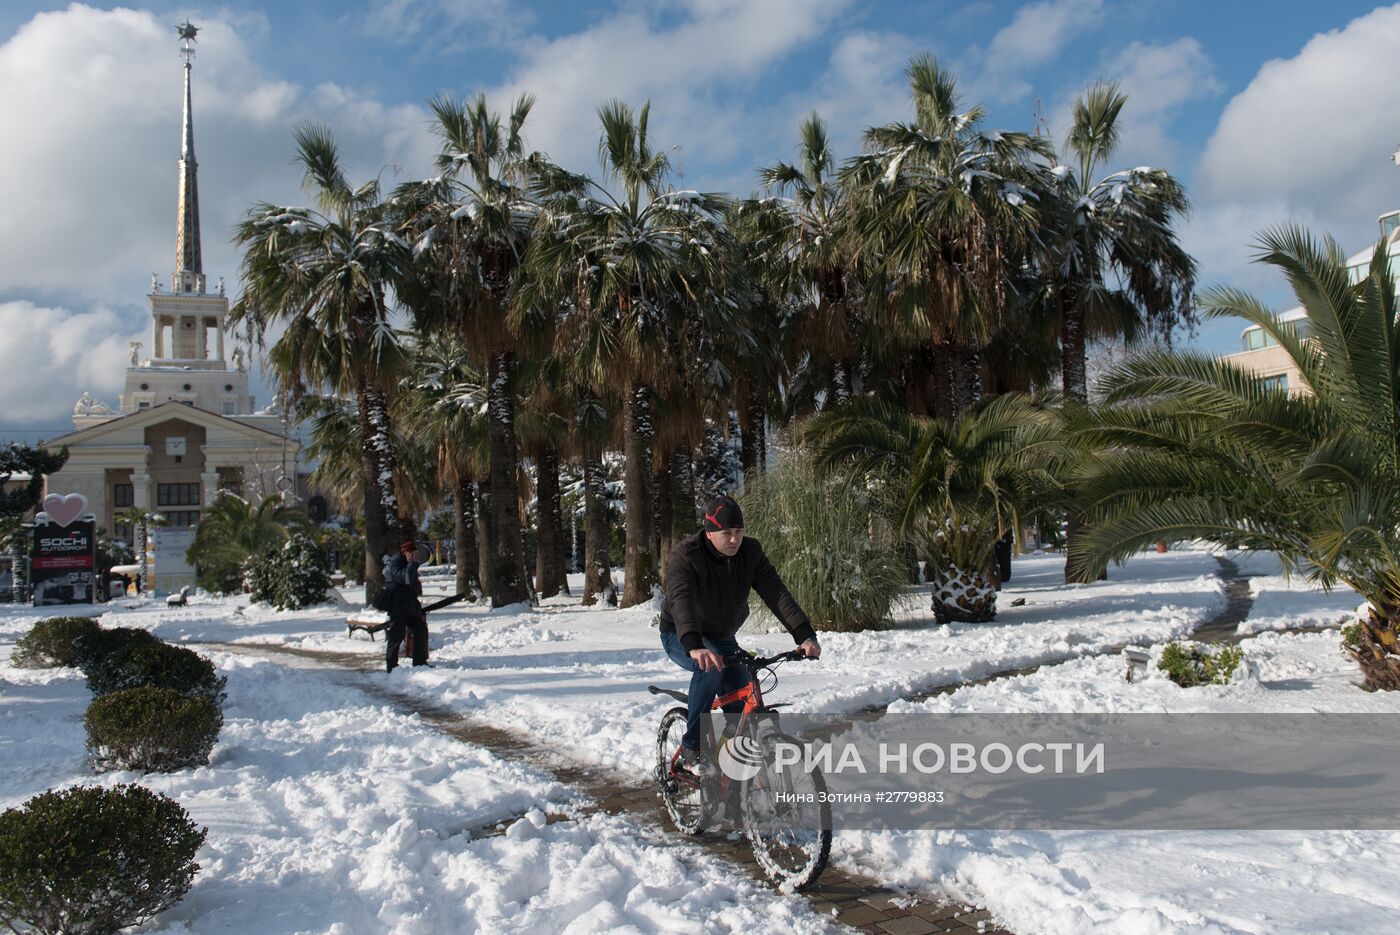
(307, 812)
(853, 900)
(330, 811)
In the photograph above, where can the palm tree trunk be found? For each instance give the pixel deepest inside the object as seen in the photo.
(597, 575)
(1073, 371)
(484, 536)
(549, 549)
(522, 523)
(1073, 365)
(753, 427)
(464, 530)
(966, 378)
(506, 560)
(665, 515)
(639, 563)
(841, 381)
(382, 523)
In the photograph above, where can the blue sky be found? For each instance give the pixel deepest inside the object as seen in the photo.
(1269, 112)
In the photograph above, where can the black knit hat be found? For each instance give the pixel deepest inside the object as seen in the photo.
(723, 513)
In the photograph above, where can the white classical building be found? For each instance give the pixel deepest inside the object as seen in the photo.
(185, 426)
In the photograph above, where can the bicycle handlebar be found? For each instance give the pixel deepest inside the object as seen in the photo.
(759, 662)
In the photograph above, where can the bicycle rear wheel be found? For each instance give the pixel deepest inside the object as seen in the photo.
(687, 799)
(787, 818)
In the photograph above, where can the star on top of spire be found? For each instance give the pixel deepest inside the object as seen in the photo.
(186, 30)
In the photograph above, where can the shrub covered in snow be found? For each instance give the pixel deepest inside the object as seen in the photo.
(159, 665)
(94, 860)
(151, 729)
(816, 530)
(291, 577)
(1188, 665)
(49, 644)
(91, 649)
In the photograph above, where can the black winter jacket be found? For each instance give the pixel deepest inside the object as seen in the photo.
(708, 594)
(401, 578)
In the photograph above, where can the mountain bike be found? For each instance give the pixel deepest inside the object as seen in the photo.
(782, 807)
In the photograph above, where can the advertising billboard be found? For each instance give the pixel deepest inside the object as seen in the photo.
(63, 559)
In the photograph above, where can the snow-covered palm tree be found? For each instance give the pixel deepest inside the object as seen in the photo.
(630, 273)
(942, 211)
(325, 274)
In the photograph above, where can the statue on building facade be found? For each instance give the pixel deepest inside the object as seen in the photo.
(134, 352)
(84, 404)
(238, 359)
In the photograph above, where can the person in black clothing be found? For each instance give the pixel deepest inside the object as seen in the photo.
(405, 613)
(708, 579)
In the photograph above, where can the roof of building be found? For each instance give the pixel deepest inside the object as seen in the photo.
(165, 410)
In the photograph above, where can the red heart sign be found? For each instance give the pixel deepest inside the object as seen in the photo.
(64, 509)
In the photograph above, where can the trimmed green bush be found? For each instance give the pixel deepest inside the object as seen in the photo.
(1189, 665)
(49, 644)
(151, 729)
(827, 541)
(161, 666)
(291, 577)
(92, 649)
(94, 860)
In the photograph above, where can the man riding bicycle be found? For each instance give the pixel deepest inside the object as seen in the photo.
(708, 578)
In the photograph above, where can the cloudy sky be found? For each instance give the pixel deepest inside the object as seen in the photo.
(1269, 111)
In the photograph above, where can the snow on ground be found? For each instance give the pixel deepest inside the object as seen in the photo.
(1286, 602)
(330, 812)
(576, 677)
(1161, 882)
(368, 812)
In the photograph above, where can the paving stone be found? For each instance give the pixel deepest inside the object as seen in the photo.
(909, 925)
(860, 915)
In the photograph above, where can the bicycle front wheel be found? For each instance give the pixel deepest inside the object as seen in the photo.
(787, 818)
(685, 796)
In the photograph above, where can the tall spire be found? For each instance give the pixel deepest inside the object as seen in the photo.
(189, 264)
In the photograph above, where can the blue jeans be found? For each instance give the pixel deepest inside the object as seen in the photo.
(704, 686)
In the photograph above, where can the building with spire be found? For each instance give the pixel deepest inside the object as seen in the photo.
(185, 427)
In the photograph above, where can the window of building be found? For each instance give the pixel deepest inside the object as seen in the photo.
(177, 495)
(123, 532)
(143, 405)
(230, 407)
(1278, 382)
(181, 519)
(1254, 339)
(122, 496)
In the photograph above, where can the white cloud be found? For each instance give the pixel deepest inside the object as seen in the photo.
(1036, 36)
(1310, 138)
(684, 68)
(92, 107)
(1159, 79)
(94, 98)
(448, 23)
(50, 356)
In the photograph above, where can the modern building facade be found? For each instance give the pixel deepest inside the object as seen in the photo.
(1261, 355)
(185, 426)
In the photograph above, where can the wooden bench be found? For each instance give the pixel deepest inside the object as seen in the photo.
(369, 621)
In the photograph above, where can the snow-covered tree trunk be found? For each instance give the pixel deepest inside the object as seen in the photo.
(841, 381)
(639, 562)
(1073, 372)
(378, 463)
(753, 426)
(464, 530)
(507, 563)
(597, 574)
